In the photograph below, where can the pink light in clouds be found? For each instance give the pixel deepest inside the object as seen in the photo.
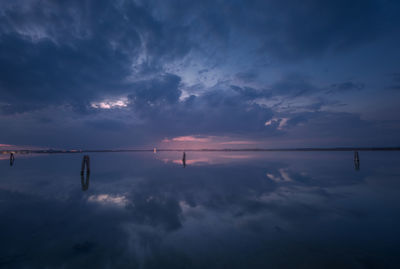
(239, 142)
(6, 146)
(202, 141)
(187, 139)
(17, 147)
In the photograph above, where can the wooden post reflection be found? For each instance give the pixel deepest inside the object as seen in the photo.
(184, 159)
(356, 161)
(85, 165)
(85, 182)
(12, 159)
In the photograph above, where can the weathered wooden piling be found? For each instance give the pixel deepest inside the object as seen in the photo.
(85, 164)
(184, 159)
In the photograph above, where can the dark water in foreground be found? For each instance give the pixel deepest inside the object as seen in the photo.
(224, 210)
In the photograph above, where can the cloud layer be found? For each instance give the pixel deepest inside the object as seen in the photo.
(130, 73)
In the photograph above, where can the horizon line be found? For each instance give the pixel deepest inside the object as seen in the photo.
(50, 151)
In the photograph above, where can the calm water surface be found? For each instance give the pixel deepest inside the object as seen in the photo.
(223, 210)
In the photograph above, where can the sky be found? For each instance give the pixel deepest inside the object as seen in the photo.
(199, 74)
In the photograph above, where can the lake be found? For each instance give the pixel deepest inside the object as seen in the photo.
(223, 210)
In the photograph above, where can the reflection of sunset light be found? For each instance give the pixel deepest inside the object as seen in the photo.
(4, 157)
(188, 209)
(234, 156)
(281, 122)
(284, 176)
(206, 158)
(118, 200)
(193, 161)
(184, 206)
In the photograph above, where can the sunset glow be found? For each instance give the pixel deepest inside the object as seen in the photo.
(193, 134)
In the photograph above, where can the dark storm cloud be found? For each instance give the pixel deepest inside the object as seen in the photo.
(246, 76)
(297, 120)
(310, 28)
(321, 103)
(338, 128)
(156, 93)
(396, 82)
(345, 87)
(249, 93)
(45, 73)
(77, 50)
(217, 111)
(157, 211)
(83, 50)
(177, 65)
(329, 122)
(288, 29)
(289, 86)
(107, 124)
(293, 85)
(231, 110)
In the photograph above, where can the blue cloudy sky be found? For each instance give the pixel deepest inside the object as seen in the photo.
(136, 73)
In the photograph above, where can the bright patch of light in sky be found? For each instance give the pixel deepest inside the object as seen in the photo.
(109, 104)
(281, 122)
(187, 139)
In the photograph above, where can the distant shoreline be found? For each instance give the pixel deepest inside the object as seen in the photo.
(50, 151)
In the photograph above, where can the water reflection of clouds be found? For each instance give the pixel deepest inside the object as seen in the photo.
(198, 161)
(107, 199)
(154, 210)
(283, 177)
(6, 156)
(206, 158)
